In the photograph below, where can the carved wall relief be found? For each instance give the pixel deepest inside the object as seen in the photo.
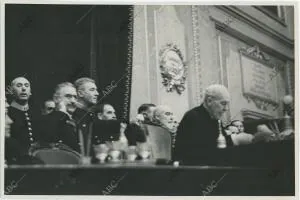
(172, 67)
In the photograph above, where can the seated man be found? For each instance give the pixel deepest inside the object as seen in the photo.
(164, 117)
(59, 126)
(159, 145)
(146, 110)
(23, 130)
(200, 128)
(105, 112)
(13, 153)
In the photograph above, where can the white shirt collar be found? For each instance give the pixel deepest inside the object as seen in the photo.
(19, 107)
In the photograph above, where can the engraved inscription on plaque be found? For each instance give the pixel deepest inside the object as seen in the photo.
(259, 80)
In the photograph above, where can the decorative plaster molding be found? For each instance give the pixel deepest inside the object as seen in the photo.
(196, 44)
(260, 103)
(250, 41)
(254, 115)
(277, 19)
(242, 16)
(288, 79)
(172, 68)
(255, 52)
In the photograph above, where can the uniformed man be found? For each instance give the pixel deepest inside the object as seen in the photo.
(84, 115)
(59, 126)
(23, 126)
(14, 154)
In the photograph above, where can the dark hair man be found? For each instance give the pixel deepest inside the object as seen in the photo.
(146, 110)
(106, 112)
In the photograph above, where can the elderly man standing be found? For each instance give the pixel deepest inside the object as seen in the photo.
(200, 127)
(23, 117)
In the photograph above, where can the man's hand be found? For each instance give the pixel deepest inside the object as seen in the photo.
(62, 107)
(138, 120)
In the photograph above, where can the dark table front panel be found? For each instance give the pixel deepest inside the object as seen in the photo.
(258, 169)
(149, 180)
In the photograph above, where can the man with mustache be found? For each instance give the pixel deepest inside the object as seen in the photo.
(59, 126)
(199, 129)
(24, 119)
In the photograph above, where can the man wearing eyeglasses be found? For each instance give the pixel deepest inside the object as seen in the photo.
(199, 130)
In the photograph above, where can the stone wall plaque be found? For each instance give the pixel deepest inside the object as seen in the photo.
(259, 80)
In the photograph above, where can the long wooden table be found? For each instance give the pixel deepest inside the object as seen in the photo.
(256, 170)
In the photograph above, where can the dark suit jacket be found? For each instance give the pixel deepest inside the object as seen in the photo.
(196, 139)
(57, 126)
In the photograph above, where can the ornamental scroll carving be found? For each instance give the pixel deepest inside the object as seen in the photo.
(172, 68)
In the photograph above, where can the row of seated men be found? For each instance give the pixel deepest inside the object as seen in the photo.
(76, 119)
(70, 118)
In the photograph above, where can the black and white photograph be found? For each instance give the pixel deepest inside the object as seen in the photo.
(127, 99)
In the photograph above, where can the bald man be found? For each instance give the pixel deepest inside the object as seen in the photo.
(198, 131)
(23, 126)
(164, 117)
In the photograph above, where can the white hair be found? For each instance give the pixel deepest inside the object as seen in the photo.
(216, 91)
(81, 81)
(57, 92)
(160, 109)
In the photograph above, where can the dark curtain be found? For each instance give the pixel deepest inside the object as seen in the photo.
(50, 44)
(113, 25)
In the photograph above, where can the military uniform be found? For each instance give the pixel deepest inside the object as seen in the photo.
(23, 126)
(84, 128)
(23, 135)
(60, 127)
